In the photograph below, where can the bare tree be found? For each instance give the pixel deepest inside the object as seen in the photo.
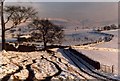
(16, 15)
(47, 32)
(2, 25)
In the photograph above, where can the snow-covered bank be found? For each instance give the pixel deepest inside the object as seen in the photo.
(104, 57)
(105, 52)
(42, 64)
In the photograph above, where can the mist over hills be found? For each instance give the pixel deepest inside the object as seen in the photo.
(87, 13)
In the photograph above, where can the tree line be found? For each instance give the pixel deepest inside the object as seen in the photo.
(108, 27)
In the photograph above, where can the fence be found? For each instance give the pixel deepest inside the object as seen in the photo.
(107, 68)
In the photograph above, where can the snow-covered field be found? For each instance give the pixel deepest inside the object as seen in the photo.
(44, 64)
(74, 32)
(83, 36)
(113, 43)
(105, 52)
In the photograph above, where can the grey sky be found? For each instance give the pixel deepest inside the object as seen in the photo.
(94, 13)
(62, 0)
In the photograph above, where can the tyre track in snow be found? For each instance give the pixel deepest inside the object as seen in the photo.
(93, 71)
(68, 66)
(84, 68)
(49, 78)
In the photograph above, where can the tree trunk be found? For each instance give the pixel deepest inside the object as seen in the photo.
(3, 26)
(45, 45)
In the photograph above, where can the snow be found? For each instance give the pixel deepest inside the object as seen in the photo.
(105, 52)
(83, 36)
(103, 57)
(42, 68)
(80, 63)
(113, 43)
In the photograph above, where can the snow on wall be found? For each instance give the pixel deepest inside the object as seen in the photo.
(106, 52)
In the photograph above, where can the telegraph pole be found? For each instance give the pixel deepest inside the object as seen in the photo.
(2, 25)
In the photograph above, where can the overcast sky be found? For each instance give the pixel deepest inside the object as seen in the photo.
(62, 0)
(102, 13)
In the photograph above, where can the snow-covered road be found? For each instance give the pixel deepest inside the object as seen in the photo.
(86, 67)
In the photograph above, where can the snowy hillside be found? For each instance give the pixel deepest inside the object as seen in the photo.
(74, 33)
(62, 64)
(17, 65)
(105, 52)
(83, 36)
(113, 43)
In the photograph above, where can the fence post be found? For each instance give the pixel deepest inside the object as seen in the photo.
(112, 68)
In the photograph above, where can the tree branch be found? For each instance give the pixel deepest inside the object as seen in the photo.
(14, 26)
(8, 18)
